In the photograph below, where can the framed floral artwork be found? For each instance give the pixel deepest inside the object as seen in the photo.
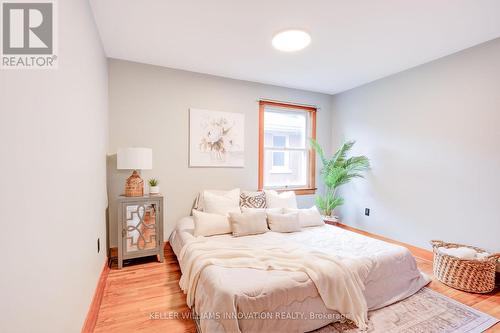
(216, 139)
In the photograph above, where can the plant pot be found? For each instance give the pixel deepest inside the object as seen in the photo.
(331, 218)
(154, 190)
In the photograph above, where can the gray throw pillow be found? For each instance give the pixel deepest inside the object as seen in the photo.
(284, 222)
(250, 223)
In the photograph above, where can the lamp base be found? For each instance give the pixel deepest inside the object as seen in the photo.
(134, 187)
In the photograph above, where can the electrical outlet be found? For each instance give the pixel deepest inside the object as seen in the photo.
(367, 211)
(98, 245)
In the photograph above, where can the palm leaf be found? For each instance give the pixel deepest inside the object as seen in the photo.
(337, 201)
(340, 156)
(357, 163)
(315, 145)
(321, 203)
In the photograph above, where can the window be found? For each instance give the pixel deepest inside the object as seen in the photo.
(280, 158)
(286, 160)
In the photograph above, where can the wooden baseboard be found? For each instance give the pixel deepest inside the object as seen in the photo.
(416, 251)
(91, 320)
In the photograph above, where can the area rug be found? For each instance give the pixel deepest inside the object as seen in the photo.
(425, 312)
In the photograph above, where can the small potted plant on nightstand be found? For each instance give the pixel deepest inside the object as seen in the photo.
(153, 186)
(337, 171)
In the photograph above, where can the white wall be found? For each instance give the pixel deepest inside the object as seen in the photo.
(149, 107)
(53, 137)
(433, 135)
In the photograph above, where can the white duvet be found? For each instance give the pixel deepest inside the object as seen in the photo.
(291, 299)
(339, 286)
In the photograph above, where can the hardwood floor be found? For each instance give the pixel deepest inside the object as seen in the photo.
(140, 297)
(144, 297)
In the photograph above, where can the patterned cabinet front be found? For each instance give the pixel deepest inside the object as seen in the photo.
(140, 228)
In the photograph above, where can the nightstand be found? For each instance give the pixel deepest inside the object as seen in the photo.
(140, 227)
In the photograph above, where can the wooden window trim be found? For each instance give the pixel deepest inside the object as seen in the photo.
(311, 189)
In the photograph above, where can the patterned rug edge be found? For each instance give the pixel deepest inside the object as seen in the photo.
(490, 321)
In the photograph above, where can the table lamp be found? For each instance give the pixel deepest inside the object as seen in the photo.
(134, 159)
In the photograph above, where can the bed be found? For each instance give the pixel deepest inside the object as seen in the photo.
(289, 300)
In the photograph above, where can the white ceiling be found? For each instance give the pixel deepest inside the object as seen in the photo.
(353, 41)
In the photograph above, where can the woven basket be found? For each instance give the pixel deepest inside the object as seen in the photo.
(476, 276)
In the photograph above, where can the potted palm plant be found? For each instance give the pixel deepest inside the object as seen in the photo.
(337, 171)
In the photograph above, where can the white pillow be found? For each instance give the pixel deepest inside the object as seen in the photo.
(250, 223)
(221, 202)
(199, 203)
(459, 252)
(206, 224)
(283, 222)
(281, 200)
(265, 210)
(309, 217)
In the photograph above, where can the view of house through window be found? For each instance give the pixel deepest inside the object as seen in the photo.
(286, 152)
(279, 141)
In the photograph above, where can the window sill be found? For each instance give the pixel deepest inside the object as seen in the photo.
(298, 191)
(304, 191)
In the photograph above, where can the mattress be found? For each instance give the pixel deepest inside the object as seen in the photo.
(282, 301)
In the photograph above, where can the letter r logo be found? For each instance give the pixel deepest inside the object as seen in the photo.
(27, 28)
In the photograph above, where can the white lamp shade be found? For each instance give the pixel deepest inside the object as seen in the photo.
(134, 159)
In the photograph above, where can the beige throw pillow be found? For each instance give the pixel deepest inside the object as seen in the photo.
(309, 217)
(265, 210)
(221, 202)
(206, 224)
(250, 223)
(281, 200)
(284, 222)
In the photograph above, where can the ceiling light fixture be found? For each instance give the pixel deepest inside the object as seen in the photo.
(291, 40)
